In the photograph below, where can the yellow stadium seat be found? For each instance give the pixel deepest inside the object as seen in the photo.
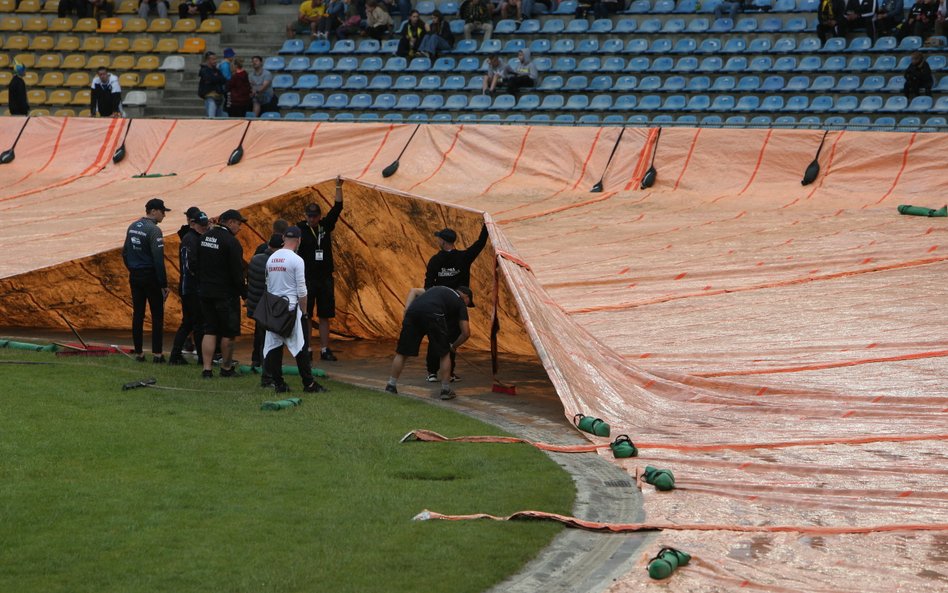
(1, 41)
(92, 44)
(31, 78)
(59, 97)
(228, 7)
(135, 25)
(17, 42)
(117, 44)
(210, 26)
(74, 62)
(39, 112)
(98, 61)
(54, 79)
(63, 25)
(7, 6)
(42, 43)
(147, 63)
(185, 26)
(193, 45)
(143, 45)
(127, 7)
(129, 80)
(34, 24)
(4, 97)
(168, 45)
(50, 7)
(10, 23)
(78, 80)
(153, 80)
(36, 97)
(49, 62)
(28, 60)
(123, 62)
(82, 97)
(111, 25)
(159, 26)
(5, 77)
(85, 26)
(4, 62)
(64, 113)
(84, 112)
(29, 6)
(67, 43)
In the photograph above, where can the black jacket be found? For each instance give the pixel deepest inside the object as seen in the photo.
(220, 265)
(453, 268)
(187, 259)
(210, 80)
(257, 279)
(319, 239)
(144, 249)
(17, 92)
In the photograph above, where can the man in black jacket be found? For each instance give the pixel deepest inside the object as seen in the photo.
(211, 86)
(316, 251)
(16, 92)
(831, 19)
(221, 286)
(452, 268)
(106, 97)
(191, 320)
(256, 286)
(144, 257)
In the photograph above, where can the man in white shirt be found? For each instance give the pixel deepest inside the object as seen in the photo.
(106, 94)
(286, 278)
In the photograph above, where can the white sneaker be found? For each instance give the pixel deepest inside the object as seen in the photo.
(432, 377)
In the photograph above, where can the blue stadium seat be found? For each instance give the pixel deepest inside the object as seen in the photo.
(395, 64)
(904, 63)
(364, 117)
(418, 65)
(529, 27)
(516, 118)
(465, 46)
(503, 103)
(552, 103)
(337, 101)
(698, 103)
(566, 7)
(590, 64)
(834, 64)
(941, 86)
(784, 6)
(432, 102)
(539, 46)
(405, 82)
(649, 84)
(772, 104)
(859, 44)
(368, 46)
(736, 64)
(292, 46)
(808, 5)
(785, 121)
(798, 83)
(772, 84)
(587, 46)
(746, 25)
(834, 45)
(687, 64)
(380, 82)
(796, 103)
(938, 121)
(673, 84)
(565, 64)
(270, 115)
(371, 64)
(408, 102)
(872, 84)
(698, 84)
(563, 46)
(505, 27)
(636, 45)
(612, 47)
(724, 84)
(455, 102)
(921, 104)
(870, 104)
(674, 103)
(317, 46)
(565, 119)
(650, 27)
(298, 64)
(626, 26)
(625, 84)
(698, 25)
(330, 82)
(761, 64)
(895, 84)
(809, 45)
(663, 6)
(884, 123)
(909, 123)
(288, 100)
(450, 8)
(475, 83)
(685, 45)
(723, 103)
(577, 26)
(513, 46)
(796, 24)
(468, 65)
(822, 84)
(274, 64)
(634, 120)
(809, 64)
(313, 101)
(785, 64)
(355, 82)
(885, 44)
(362, 101)
(425, 7)
(686, 7)
(673, 26)
(282, 81)
(390, 46)
(589, 119)
(734, 45)
(763, 121)
(846, 104)
(709, 45)
(649, 103)
(551, 83)
(445, 64)
(441, 118)
(747, 103)
(711, 64)
(639, 7)
(539, 118)
(306, 82)
(624, 103)
(821, 104)
(759, 45)
(600, 83)
(601, 26)
(937, 62)
(346, 64)
(661, 64)
(577, 103)
(343, 46)
(711, 121)
(785, 45)
(601, 103)
(883, 64)
(736, 120)
(721, 26)
(489, 46)
(528, 103)
(543, 64)
(453, 83)
(393, 117)
(429, 83)
(846, 84)
(553, 27)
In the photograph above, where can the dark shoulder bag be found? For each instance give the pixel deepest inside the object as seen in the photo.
(275, 314)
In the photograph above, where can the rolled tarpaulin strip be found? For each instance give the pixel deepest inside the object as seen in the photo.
(28, 346)
(922, 211)
(282, 404)
(245, 369)
(666, 562)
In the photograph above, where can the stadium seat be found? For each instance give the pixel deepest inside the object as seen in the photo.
(734, 45)
(698, 103)
(38, 24)
(292, 46)
(408, 102)
(210, 26)
(834, 64)
(884, 123)
(98, 61)
(337, 101)
(589, 64)
(78, 80)
(772, 103)
(600, 103)
(429, 83)
(49, 79)
(745, 25)
(527, 103)
(859, 44)
(639, 7)
(673, 26)
(344, 64)
(796, 24)
(577, 103)
(295, 115)
(122, 63)
(193, 45)
(343, 46)
(937, 122)
(909, 123)
(674, 103)
(885, 44)
(395, 64)
(895, 84)
(512, 46)
(650, 27)
(921, 104)
(172, 63)
(760, 64)
(92, 44)
(625, 84)
(821, 104)
(539, 118)
(330, 82)
(822, 84)
(576, 83)
(649, 84)
(785, 121)
(153, 80)
(288, 100)
(673, 84)
(698, 84)
(698, 25)
(662, 64)
(724, 84)
(759, 45)
(721, 26)
(872, 84)
(663, 6)
(274, 64)
(82, 98)
(685, 45)
(553, 27)
(796, 103)
(846, 104)
(577, 27)
(564, 64)
(711, 121)
(633, 120)
(846, 84)
(552, 103)
(117, 44)
(834, 45)
(601, 26)
(649, 103)
(406, 82)
(747, 103)
(883, 64)
(539, 46)
(470, 65)
(709, 45)
(9, 24)
(489, 46)
(761, 121)
(686, 7)
(425, 7)
(870, 104)
(710, 64)
(588, 119)
(456, 102)
(809, 45)
(283, 81)
(636, 45)
(736, 64)
(478, 103)
(624, 103)
(772, 84)
(587, 46)
(432, 102)
(662, 120)
(937, 62)
(270, 115)
(551, 83)
(441, 118)
(184, 26)
(48, 62)
(723, 103)
(625, 26)
(145, 45)
(563, 46)
(450, 8)
(307, 82)
(686, 65)
(809, 64)
(380, 82)
(784, 45)
(660, 46)
(135, 98)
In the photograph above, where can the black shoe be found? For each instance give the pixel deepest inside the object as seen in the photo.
(207, 374)
(327, 355)
(447, 394)
(391, 388)
(282, 388)
(231, 372)
(177, 359)
(314, 387)
(218, 358)
(158, 359)
(139, 357)
(455, 378)
(267, 383)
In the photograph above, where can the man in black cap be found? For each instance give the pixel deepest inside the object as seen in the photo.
(144, 256)
(191, 320)
(256, 286)
(438, 313)
(452, 268)
(221, 286)
(316, 251)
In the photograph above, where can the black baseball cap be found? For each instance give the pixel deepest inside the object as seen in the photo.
(232, 215)
(276, 241)
(192, 213)
(293, 232)
(313, 210)
(448, 235)
(156, 204)
(468, 292)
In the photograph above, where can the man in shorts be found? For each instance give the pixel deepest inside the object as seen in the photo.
(435, 313)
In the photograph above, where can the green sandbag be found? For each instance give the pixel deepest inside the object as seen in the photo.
(666, 562)
(28, 346)
(662, 479)
(287, 370)
(920, 211)
(591, 425)
(623, 447)
(282, 404)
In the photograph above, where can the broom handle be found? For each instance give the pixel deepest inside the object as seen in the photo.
(655, 150)
(821, 144)
(410, 138)
(21, 131)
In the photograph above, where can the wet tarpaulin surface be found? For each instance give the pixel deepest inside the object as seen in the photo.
(781, 345)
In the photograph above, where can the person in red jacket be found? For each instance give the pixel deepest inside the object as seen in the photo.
(239, 91)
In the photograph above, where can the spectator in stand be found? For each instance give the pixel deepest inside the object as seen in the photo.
(403, 7)
(102, 9)
(311, 13)
(831, 21)
(190, 8)
(412, 34)
(378, 20)
(493, 74)
(239, 100)
(918, 77)
(439, 37)
(351, 21)
(16, 91)
(920, 20)
(159, 6)
(520, 72)
(511, 9)
(940, 15)
(81, 7)
(477, 18)
(226, 65)
(335, 16)
(106, 97)
(731, 6)
(261, 83)
(888, 16)
(860, 15)
(211, 86)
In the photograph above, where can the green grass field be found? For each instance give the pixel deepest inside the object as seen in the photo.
(196, 489)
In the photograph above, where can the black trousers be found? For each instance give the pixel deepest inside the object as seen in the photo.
(191, 321)
(145, 289)
(273, 362)
(433, 362)
(515, 83)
